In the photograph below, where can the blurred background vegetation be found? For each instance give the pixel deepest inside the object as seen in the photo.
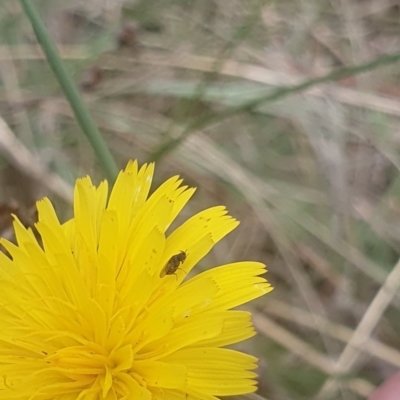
(229, 95)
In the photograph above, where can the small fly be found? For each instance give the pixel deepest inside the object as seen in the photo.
(173, 264)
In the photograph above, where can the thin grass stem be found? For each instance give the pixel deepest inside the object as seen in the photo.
(70, 90)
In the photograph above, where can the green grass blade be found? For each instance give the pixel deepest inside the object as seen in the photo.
(70, 90)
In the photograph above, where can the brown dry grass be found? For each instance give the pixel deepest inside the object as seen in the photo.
(313, 176)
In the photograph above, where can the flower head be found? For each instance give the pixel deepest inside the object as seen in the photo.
(101, 307)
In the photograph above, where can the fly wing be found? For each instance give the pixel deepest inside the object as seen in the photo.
(163, 272)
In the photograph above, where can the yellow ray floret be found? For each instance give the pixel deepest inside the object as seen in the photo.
(101, 307)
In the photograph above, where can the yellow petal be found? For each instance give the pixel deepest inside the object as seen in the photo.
(214, 371)
(161, 374)
(240, 283)
(191, 330)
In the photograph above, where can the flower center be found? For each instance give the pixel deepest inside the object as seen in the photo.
(90, 368)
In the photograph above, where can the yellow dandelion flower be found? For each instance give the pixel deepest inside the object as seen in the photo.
(101, 307)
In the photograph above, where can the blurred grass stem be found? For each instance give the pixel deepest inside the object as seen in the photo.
(362, 334)
(70, 90)
(279, 93)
